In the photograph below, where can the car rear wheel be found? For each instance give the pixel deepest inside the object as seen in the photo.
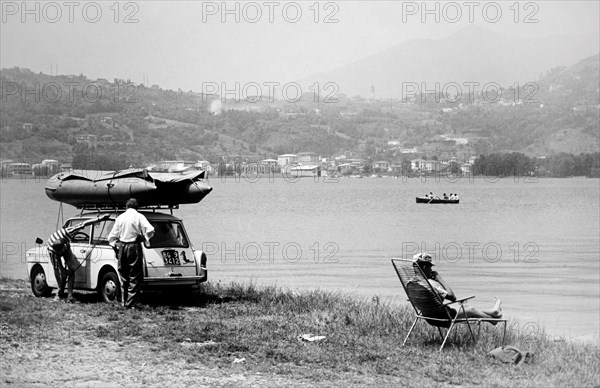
(110, 288)
(39, 286)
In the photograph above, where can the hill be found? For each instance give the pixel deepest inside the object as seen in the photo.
(53, 116)
(111, 125)
(473, 54)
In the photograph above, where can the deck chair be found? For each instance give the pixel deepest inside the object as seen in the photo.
(429, 305)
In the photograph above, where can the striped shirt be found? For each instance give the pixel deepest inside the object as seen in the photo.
(63, 237)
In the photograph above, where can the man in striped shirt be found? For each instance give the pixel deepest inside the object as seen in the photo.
(59, 246)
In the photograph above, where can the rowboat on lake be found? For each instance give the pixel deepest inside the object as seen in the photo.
(436, 200)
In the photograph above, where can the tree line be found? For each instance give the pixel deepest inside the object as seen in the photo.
(518, 164)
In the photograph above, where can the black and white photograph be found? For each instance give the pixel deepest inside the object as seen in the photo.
(300, 193)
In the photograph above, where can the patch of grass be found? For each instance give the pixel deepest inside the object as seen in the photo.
(7, 305)
(364, 338)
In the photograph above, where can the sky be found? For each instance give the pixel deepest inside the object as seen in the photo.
(191, 44)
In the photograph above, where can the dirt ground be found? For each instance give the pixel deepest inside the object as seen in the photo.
(96, 363)
(38, 356)
(84, 362)
(71, 354)
(235, 336)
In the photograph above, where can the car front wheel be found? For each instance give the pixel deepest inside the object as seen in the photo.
(110, 288)
(39, 286)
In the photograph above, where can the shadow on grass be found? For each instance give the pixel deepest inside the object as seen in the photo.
(176, 297)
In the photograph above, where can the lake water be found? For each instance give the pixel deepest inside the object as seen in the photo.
(534, 244)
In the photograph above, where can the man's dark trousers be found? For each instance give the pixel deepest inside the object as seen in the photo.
(131, 272)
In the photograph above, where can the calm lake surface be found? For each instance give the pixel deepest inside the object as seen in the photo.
(533, 243)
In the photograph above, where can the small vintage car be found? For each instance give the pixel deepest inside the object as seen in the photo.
(169, 257)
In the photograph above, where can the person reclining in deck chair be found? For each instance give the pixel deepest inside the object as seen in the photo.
(423, 260)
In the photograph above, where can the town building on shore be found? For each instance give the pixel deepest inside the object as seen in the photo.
(287, 159)
(426, 166)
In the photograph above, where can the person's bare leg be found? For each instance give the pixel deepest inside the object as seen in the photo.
(471, 312)
(496, 311)
(62, 281)
(72, 265)
(70, 285)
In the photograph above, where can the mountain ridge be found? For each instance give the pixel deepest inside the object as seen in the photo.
(473, 54)
(167, 125)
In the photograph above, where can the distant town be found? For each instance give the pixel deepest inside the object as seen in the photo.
(51, 123)
(301, 164)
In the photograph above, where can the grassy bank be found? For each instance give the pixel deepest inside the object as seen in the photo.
(252, 332)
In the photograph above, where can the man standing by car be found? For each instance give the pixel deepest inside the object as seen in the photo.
(59, 246)
(130, 230)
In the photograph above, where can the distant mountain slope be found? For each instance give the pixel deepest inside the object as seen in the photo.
(573, 93)
(471, 55)
(152, 125)
(167, 125)
(579, 84)
(565, 117)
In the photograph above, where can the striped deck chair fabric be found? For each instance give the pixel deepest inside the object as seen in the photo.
(430, 306)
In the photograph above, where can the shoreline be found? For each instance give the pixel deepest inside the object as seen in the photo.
(253, 178)
(226, 220)
(249, 336)
(399, 303)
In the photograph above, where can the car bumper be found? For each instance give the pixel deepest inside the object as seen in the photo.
(176, 280)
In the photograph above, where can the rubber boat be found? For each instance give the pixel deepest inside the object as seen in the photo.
(114, 188)
(436, 200)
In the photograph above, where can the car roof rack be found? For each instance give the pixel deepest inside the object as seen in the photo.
(115, 207)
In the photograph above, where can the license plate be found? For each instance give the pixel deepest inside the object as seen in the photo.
(171, 257)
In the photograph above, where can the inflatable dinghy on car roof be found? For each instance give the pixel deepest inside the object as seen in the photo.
(112, 189)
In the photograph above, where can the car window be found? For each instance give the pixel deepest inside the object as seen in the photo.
(100, 232)
(81, 235)
(168, 234)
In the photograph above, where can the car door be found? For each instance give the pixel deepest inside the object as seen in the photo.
(81, 248)
(101, 254)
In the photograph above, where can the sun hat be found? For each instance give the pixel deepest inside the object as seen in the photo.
(422, 258)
